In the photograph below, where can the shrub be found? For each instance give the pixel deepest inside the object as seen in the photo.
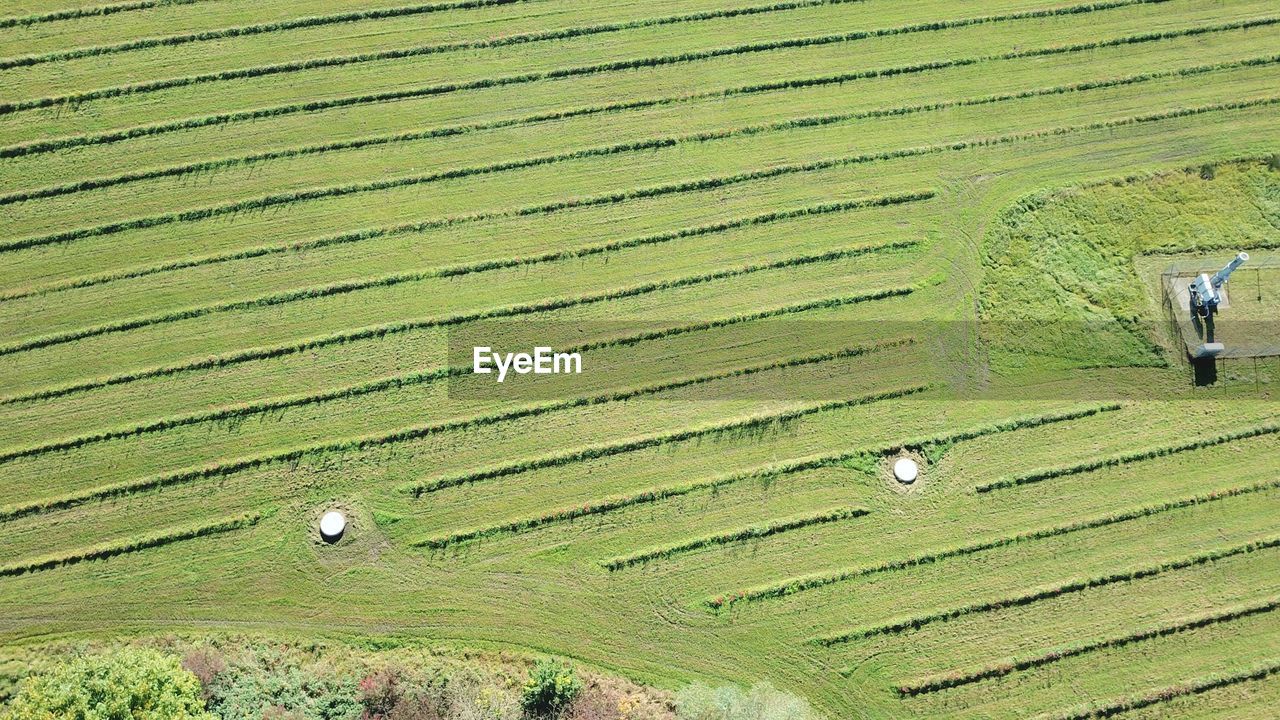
(379, 694)
(205, 663)
(552, 685)
(271, 681)
(126, 684)
(761, 702)
(1208, 172)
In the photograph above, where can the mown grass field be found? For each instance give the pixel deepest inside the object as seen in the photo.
(240, 237)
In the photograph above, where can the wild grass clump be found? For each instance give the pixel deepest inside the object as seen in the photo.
(1096, 311)
(761, 702)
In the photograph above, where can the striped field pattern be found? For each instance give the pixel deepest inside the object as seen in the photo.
(246, 246)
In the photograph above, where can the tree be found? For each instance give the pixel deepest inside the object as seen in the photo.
(552, 685)
(127, 684)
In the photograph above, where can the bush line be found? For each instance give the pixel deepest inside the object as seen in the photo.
(1116, 707)
(1000, 669)
(240, 412)
(405, 11)
(915, 623)
(100, 552)
(662, 493)
(557, 73)
(593, 452)
(348, 286)
(1127, 458)
(230, 32)
(811, 582)
(43, 146)
(747, 533)
(439, 321)
(653, 191)
(179, 170)
(227, 468)
(93, 11)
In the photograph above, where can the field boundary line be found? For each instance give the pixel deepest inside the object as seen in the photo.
(763, 128)
(220, 469)
(652, 191)
(108, 550)
(1128, 458)
(9, 108)
(91, 11)
(894, 627)
(812, 582)
(526, 308)
(1165, 694)
(348, 286)
(412, 379)
(135, 132)
(768, 470)
(751, 532)
(404, 11)
(939, 682)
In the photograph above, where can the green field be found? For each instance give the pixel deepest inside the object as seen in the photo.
(243, 240)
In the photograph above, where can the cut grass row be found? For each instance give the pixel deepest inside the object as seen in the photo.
(725, 148)
(633, 404)
(494, 39)
(152, 540)
(1163, 695)
(747, 425)
(798, 585)
(406, 434)
(1126, 458)
(955, 77)
(834, 263)
(943, 682)
(509, 256)
(122, 121)
(278, 338)
(722, 178)
(770, 470)
(88, 11)
(239, 413)
(448, 173)
(916, 622)
(982, 639)
(50, 326)
(75, 98)
(313, 21)
(652, 143)
(753, 532)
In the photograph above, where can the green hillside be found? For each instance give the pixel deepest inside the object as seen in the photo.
(248, 246)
